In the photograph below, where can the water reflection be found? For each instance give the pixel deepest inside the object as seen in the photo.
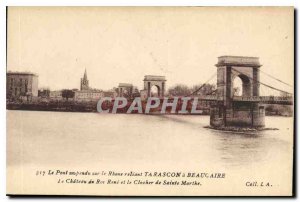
(238, 149)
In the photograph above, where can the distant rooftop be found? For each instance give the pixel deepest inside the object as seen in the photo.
(89, 91)
(21, 73)
(154, 78)
(245, 61)
(125, 85)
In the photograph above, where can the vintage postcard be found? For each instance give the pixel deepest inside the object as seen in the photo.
(150, 101)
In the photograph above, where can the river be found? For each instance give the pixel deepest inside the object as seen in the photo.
(39, 140)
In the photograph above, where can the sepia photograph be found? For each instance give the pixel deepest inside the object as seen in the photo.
(150, 101)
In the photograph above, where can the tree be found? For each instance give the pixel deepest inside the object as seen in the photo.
(135, 92)
(236, 91)
(206, 89)
(44, 92)
(67, 94)
(179, 90)
(282, 110)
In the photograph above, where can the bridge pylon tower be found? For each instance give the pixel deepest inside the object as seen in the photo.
(229, 112)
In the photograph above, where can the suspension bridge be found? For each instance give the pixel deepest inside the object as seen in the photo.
(225, 106)
(246, 110)
(287, 99)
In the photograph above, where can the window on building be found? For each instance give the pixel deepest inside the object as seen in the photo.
(261, 110)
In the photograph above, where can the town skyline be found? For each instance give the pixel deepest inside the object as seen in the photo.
(116, 47)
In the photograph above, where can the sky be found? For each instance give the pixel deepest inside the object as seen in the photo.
(122, 45)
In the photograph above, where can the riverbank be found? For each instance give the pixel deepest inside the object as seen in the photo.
(66, 106)
(91, 106)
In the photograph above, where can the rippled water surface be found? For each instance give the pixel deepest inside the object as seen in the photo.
(61, 138)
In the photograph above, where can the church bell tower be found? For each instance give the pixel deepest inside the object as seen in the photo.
(84, 82)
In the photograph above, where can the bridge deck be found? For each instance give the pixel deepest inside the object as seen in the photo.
(261, 99)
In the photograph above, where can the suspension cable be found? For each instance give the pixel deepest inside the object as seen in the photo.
(264, 83)
(276, 78)
(202, 85)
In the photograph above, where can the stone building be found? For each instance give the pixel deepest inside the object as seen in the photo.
(21, 84)
(111, 93)
(44, 93)
(125, 89)
(55, 95)
(88, 95)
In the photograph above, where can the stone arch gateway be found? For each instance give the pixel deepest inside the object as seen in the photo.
(158, 81)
